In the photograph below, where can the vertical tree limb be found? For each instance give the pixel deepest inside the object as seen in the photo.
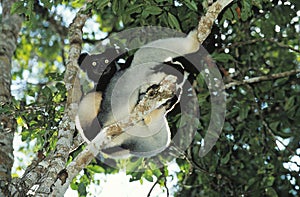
(40, 176)
(67, 126)
(9, 29)
(206, 22)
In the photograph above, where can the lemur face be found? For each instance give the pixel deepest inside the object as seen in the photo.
(100, 67)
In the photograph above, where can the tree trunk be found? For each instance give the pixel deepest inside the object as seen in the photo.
(9, 29)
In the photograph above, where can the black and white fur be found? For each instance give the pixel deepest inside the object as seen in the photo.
(123, 91)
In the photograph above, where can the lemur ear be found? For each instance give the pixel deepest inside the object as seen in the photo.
(81, 58)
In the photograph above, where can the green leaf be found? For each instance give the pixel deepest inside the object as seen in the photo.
(281, 81)
(266, 86)
(47, 3)
(268, 181)
(235, 14)
(133, 166)
(191, 5)
(25, 135)
(246, 10)
(227, 15)
(18, 8)
(29, 10)
(74, 186)
(153, 10)
(289, 103)
(222, 57)
(148, 175)
(228, 127)
(243, 112)
(60, 87)
(225, 159)
(240, 127)
(173, 22)
(269, 191)
(82, 189)
(164, 18)
(78, 4)
(115, 6)
(274, 125)
(101, 4)
(156, 172)
(135, 176)
(257, 3)
(95, 168)
(133, 9)
(46, 91)
(252, 182)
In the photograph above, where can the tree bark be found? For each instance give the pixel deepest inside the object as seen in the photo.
(40, 176)
(263, 78)
(9, 29)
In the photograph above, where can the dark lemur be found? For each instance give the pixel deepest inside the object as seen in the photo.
(100, 68)
(117, 97)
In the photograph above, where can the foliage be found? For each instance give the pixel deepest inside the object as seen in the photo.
(250, 39)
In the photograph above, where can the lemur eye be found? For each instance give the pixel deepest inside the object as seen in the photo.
(94, 64)
(106, 61)
(152, 93)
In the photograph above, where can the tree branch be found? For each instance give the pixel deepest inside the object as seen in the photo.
(43, 172)
(263, 78)
(206, 22)
(67, 127)
(156, 182)
(253, 41)
(274, 138)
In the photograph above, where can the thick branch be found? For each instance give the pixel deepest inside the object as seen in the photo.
(207, 21)
(263, 78)
(67, 127)
(41, 175)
